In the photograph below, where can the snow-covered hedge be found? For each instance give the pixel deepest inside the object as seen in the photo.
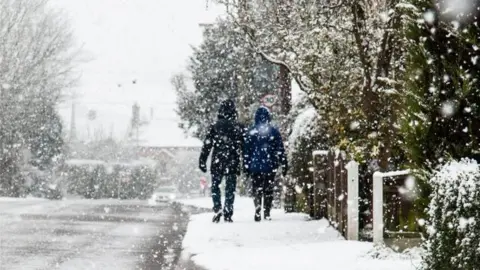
(306, 136)
(303, 128)
(97, 179)
(454, 218)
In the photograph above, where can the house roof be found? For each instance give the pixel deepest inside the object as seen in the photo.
(165, 133)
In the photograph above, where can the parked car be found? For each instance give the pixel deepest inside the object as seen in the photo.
(165, 194)
(46, 191)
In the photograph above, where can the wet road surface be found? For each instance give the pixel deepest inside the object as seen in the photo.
(90, 234)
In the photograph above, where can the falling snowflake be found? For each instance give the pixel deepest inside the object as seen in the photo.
(448, 109)
(410, 183)
(474, 59)
(354, 125)
(421, 222)
(462, 223)
(429, 17)
(384, 17)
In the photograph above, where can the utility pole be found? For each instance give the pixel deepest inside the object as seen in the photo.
(111, 131)
(135, 124)
(73, 126)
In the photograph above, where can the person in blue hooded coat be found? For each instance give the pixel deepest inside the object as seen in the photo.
(224, 140)
(263, 154)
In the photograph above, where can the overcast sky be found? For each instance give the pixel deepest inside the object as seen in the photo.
(126, 40)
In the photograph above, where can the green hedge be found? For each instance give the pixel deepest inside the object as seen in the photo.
(95, 181)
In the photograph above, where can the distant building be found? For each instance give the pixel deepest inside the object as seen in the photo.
(176, 155)
(166, 156)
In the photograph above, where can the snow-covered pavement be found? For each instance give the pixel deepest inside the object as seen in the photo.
(289, 241)
(89, 234)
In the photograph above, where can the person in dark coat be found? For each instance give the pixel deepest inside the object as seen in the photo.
(263, 154)
(225, 137)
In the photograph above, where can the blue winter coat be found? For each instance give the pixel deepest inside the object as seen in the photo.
(263, 147)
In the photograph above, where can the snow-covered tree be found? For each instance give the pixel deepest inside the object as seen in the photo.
(454, 212)
(442, 113)
(36, 66)
(346, 55)
(223, 66)
(44, 137)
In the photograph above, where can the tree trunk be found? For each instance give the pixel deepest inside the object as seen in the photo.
(285, 99)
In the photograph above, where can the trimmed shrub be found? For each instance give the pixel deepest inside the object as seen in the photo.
(453, 225)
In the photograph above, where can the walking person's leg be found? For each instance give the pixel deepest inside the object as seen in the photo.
(216, 197)
(269, 183)
(257, 187)
(231, 185)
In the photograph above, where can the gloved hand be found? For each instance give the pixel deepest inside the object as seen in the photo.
(238, 171)
(203, 167)
(246, 171)
(284, 169)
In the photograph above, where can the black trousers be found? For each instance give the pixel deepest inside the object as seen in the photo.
(263, 185)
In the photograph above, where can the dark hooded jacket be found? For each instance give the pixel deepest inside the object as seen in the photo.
(263, 150)
(225, 137)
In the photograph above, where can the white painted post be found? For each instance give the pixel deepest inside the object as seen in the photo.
(320, 153)
(378, 203)
(352, 215)
(377, 208)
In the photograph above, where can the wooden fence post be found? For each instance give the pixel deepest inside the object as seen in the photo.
(319, 211)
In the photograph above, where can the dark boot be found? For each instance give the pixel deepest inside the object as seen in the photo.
(268, 196)
(229, 197)
(266, 212)
(228, 219)
(258, 207)
(216, 198)
(257, 183)
(217, 216)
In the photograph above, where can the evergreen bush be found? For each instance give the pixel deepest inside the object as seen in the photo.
(453, 225)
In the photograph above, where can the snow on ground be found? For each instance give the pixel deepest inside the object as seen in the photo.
(289, 241)
(88, 234)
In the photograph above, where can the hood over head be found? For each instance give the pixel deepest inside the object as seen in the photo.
(227, 110)
(262, 116)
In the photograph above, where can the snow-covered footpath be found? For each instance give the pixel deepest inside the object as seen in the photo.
(289, 241)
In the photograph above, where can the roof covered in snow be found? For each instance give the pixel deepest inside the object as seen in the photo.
(165, 133)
